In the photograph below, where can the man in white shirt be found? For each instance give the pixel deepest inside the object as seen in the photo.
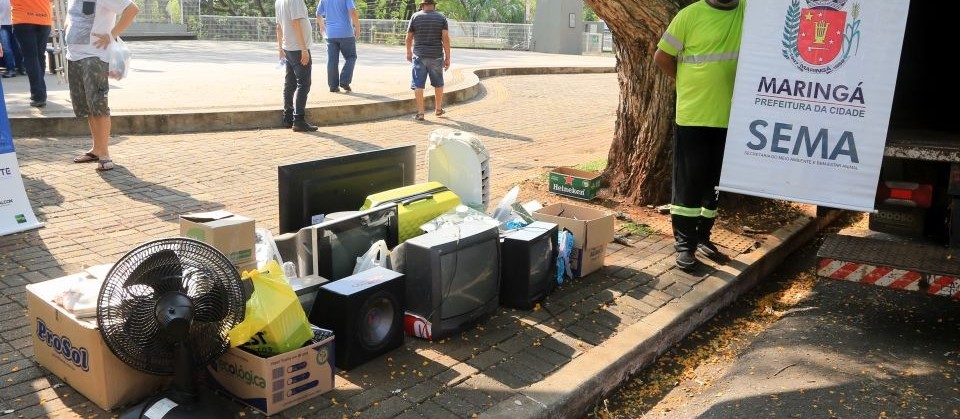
(91, 27)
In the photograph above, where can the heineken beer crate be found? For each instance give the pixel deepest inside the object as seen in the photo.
(574, 183)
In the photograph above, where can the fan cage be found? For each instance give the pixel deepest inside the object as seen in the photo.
(126, 307)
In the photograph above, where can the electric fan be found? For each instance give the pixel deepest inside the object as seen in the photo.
(165, 308)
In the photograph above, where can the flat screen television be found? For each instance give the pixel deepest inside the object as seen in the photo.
(330, 249)
(319, 187)
(529, 265)
(452, 278)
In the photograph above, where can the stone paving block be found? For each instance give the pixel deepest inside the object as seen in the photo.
(482, 400)
(456, 404)
(366, 398)
(455, 374)
(388, 408)
(432, 410)
(537, 364)
(677, 289)
(486, 359)
(423, 391)
(517, 343)
(565, 344)
(506, 377)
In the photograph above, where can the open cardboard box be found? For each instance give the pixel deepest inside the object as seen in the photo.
(273, 384)
(592, 230)
(72, 349)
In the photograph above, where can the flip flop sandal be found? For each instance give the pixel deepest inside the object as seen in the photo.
(104, 165)
(418, 117)
(441, 111)
(86, 158)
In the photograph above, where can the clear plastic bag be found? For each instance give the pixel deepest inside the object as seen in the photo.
(376, 256)
(119, 60)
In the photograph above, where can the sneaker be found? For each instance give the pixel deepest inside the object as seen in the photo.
(21, 72)
(334, 90)
(8, 74)
(711, 252)
(301, 126)
(38, 103)
(686, 260)
(346, 87)
(286, 123)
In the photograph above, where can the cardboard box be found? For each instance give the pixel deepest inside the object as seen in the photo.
(574, 183)
(592, 230)
(231, 234)
(273, 384)
(73, 350)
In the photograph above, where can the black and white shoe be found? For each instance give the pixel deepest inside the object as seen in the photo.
(711, 252)
(686, 260)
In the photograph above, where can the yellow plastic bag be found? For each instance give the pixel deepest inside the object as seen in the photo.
(275, 322)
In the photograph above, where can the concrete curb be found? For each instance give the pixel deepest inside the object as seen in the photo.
(573, 390)
(333, 114)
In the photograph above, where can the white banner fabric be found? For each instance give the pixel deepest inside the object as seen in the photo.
(812, 100)
(15, 211)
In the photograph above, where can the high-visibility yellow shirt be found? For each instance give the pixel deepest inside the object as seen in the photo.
(37, 12)
(706, 42)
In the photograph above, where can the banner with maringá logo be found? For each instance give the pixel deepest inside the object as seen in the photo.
(811, 105)
(15, 211)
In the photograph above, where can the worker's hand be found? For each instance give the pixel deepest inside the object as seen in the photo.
(409, 57)
(305, 57)
(103, 40)
(356, 32)
(446, 63)
(282, 54)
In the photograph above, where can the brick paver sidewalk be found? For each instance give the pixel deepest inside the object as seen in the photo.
(528, 123)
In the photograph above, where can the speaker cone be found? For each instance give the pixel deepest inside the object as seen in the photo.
(378, 320)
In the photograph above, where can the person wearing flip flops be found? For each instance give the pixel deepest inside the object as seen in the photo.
(428, 48)
(93, 27)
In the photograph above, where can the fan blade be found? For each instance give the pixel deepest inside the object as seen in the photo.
(212, 305)
(161, 271)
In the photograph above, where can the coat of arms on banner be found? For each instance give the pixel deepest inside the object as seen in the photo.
(821, 37)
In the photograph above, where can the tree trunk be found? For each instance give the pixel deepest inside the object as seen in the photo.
(639, 162)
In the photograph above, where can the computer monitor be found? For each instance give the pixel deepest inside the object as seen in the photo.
(452, 277)
(316, 188)
(529, 265)
(330, 249)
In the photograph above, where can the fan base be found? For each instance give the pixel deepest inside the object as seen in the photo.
(205, 405)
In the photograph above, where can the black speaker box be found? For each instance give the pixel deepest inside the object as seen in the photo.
(365, 313)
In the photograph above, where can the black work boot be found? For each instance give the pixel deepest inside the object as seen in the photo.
(686, 260)
(302, 126)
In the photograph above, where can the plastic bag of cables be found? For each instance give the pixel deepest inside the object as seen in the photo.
(119, 59)
(275, 322)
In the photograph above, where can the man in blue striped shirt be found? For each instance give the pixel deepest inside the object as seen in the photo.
(428, 48)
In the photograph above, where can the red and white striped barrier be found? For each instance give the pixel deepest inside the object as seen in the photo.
(883, 276)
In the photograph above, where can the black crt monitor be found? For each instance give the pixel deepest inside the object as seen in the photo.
(330, 249)
(452, 276)
(529, 265)
(334, 184)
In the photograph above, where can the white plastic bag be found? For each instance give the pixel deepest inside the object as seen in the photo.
(119, 59)
(375, 256)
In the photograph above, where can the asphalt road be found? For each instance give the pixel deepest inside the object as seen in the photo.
(803, 347)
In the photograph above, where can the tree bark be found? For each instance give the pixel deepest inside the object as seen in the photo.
(639, 162)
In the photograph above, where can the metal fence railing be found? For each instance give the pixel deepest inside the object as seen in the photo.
(162, 11)
(374, 31)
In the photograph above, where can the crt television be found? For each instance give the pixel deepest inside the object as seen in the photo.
(330, 249)
(452, 278)
(529, 265)
(336, 184)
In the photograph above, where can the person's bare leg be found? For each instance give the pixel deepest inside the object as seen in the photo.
(418, 93)
(100, 130)
(437, 99)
